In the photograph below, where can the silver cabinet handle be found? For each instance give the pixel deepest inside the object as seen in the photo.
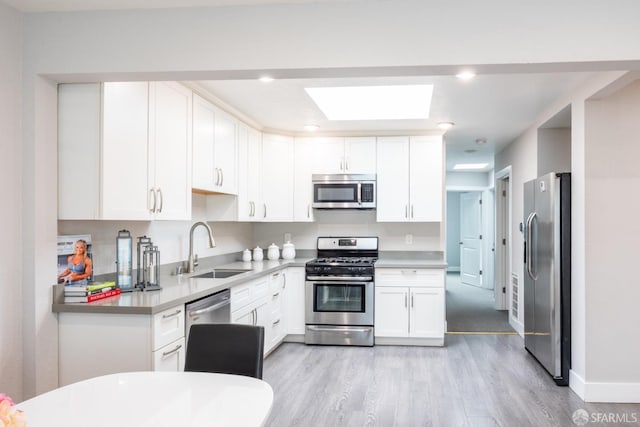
(166, 316)
(412, 300)
(152, 192)
(161, 200)
(265, 210)
(253, 209)
(411, 211)
(208, 309)
(255, 319)
(405, 300)
(276, 322)
(342, 164)
(276, 294)
(309, 210)
(346, 164)
(170, 352)
(406, 211)
(221, 177)
(408, 271)
(359, 193)
(284, 283)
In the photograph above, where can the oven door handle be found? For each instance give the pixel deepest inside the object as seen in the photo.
(340, 278)
(343, 329)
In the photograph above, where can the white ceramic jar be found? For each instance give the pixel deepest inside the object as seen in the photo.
(258, 255)
(246, 255)
(273, 252)
(288, 251)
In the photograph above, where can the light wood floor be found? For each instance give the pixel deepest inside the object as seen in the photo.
(475, 380)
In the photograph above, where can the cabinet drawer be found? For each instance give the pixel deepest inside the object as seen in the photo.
(410, 277)
(170, 357)
(241, 296)
(168, 326)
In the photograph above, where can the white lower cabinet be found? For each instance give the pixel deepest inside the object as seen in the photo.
(277, 319)
(250, 305)
(409, 306)
(93, 344)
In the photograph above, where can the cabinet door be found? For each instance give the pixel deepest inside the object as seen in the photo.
(391, 312)
(425, 189)
(225, 155)
(170, 153)
(168, 326)
(245, 316)
(427, 314)
(170, 357)
(393, 179)
(204, 177)
(124, 151)
(294, 303)
(360, 155)
(328, 155)
(277, 178)
(303, 189)
(254, 172)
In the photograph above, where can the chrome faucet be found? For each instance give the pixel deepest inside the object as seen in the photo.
(212, 244)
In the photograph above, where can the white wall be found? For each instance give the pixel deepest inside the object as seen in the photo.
(453, 231)
(612, 147)
(426, 236)
(171, 237)
(468, 181)
(554, 150)
(10, 214)
(316, 39)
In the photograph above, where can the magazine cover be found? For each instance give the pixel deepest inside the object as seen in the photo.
(75, 260)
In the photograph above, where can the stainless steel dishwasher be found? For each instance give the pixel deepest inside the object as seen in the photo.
(215, 308)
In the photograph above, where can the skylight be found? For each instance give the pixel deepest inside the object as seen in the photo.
(373, 102)
(470, 166)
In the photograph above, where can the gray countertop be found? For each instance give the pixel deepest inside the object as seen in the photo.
(175, 290)
(181, 289)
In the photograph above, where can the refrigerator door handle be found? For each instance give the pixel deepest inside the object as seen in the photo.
(529, 243)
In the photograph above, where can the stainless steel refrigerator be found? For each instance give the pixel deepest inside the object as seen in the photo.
(547, 277)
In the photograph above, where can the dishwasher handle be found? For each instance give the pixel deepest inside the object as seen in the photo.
(226, 301)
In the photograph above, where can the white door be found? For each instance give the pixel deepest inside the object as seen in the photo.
(391, 313)
(360, 155)
(302, 188)
(225, 155)
(328, 156)
(393, 179)
(425, 178)
(277, 178)
(170, 122)
(203, 176)
(427, 312)
(470, 238)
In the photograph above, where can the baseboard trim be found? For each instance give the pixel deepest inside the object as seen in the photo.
(435, 342)
(597, 392)
(453, 269)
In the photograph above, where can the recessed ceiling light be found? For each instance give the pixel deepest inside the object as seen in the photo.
(481, 141)
(311, 127)
(470, 166)
(466, 75)
(266, 79)
(445, 125)
(373, 102)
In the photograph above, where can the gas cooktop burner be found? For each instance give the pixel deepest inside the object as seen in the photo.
(344, 260)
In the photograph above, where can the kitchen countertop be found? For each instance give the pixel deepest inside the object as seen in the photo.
(175, 290)
(182, 289)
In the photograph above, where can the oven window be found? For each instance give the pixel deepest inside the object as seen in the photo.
(336, 192)
(339, 298)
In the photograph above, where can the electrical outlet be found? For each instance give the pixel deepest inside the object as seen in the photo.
(408, 239)
(287, 237)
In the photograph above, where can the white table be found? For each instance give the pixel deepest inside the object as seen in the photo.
(153, 399)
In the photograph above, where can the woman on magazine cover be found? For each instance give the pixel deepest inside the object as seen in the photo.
(79, 266)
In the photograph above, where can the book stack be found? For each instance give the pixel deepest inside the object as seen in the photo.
(91, 292)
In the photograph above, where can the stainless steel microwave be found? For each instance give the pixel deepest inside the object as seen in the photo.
(355, 191)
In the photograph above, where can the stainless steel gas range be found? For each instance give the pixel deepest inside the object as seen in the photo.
(339, 291)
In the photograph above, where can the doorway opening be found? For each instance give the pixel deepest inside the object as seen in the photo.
(470, 285)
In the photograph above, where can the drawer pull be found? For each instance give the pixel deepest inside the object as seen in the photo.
(276, 322)
(170, 352)
(276, 294)
(166, 316)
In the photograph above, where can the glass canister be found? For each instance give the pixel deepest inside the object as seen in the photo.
(124, 247)
(151, 270)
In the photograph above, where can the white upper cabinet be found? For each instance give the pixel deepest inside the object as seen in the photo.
(303, 190)
(249, 174)
(126, 149)
(344, 155)
(360, 155)
(215, 148)
(170, 150)
(410, 179)
(277, 178)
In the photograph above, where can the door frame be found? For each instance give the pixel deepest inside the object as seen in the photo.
(502, 290)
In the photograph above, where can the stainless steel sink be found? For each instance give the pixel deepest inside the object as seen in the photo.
(219, 274)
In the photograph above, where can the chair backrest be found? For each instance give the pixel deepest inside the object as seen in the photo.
(225, 348)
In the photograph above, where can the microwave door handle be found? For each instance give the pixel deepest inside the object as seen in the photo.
(359, 193)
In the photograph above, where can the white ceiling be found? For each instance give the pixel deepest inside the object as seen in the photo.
(494, 107)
